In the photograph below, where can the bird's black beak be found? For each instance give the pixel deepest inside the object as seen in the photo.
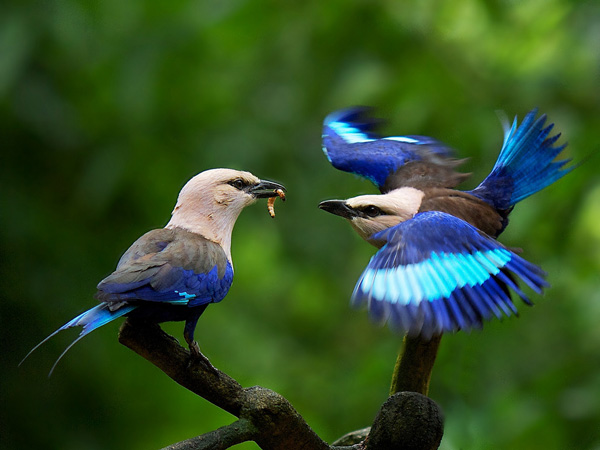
(266, 189)
(338, 207)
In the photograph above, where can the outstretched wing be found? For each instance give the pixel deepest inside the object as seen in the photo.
(437, 273)
(172, 266)
(351, 145)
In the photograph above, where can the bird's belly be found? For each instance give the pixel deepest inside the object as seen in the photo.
(160, 312)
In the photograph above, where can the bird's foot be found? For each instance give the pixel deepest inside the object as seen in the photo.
(196, 357)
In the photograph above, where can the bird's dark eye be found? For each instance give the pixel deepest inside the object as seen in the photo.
(372, 211)
(238, 183)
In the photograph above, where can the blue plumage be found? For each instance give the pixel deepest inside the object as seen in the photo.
(184, 287)
(351, 144)
(439, 268)
(89, 320)
(178, 271)
(437, 273)
(525, 165)
(173, 273)
(187, 270)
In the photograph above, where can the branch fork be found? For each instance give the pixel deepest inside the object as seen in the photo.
(407, 420)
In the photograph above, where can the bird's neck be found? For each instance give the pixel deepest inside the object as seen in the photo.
(214, 226)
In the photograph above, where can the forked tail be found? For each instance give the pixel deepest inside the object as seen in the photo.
(89, 320)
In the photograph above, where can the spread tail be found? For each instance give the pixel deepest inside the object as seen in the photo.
(525, 165)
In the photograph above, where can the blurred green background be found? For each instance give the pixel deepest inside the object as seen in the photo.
(108, 107)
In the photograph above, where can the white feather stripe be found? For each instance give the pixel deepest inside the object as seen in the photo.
(500, 256)
(486, 263)
(472, 269)
(416, 293)
(424, 278)
(350, 134)
(366, 281)
(431, 279)
(466, 265)
(446, 265)
(454, 265)
(403, 285)
(482, 273)
(401, 139)
(440, 287)
(380, 284)
(386, 286)
(393, 292)
(446, 279)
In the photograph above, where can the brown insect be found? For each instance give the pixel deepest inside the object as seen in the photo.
(271, 202)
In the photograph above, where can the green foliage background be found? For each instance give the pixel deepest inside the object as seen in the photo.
(108, 107)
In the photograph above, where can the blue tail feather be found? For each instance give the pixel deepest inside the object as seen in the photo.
(96, 317)
(90, 320)
(525, 165)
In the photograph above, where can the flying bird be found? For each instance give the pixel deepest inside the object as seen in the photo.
(174, 273)
(439, 267)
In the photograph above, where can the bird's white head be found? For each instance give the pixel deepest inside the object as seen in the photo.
(369, 214)
(210, 203)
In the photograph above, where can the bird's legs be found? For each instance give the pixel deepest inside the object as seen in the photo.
(196, 356)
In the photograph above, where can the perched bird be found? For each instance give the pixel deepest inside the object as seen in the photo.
(439, 267)
(351, 144)
(174, 273)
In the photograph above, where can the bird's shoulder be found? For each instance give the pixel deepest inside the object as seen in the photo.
(152, 242)
(168, 249)
(177, 246)
(162, 260)
(464, 206)
(426, 174)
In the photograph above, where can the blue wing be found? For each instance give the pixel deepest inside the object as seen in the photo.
(178, 268)
(169, 269)
(525, 165)
(437, 273)
(351, 145)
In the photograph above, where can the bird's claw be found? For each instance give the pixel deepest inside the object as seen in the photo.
(196, 357)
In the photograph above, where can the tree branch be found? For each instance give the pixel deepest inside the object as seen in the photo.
(407, 421)
(278, 425)
(240, 431)
(149, 341)
(414, 365)
(354, 437)
(407, 418)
